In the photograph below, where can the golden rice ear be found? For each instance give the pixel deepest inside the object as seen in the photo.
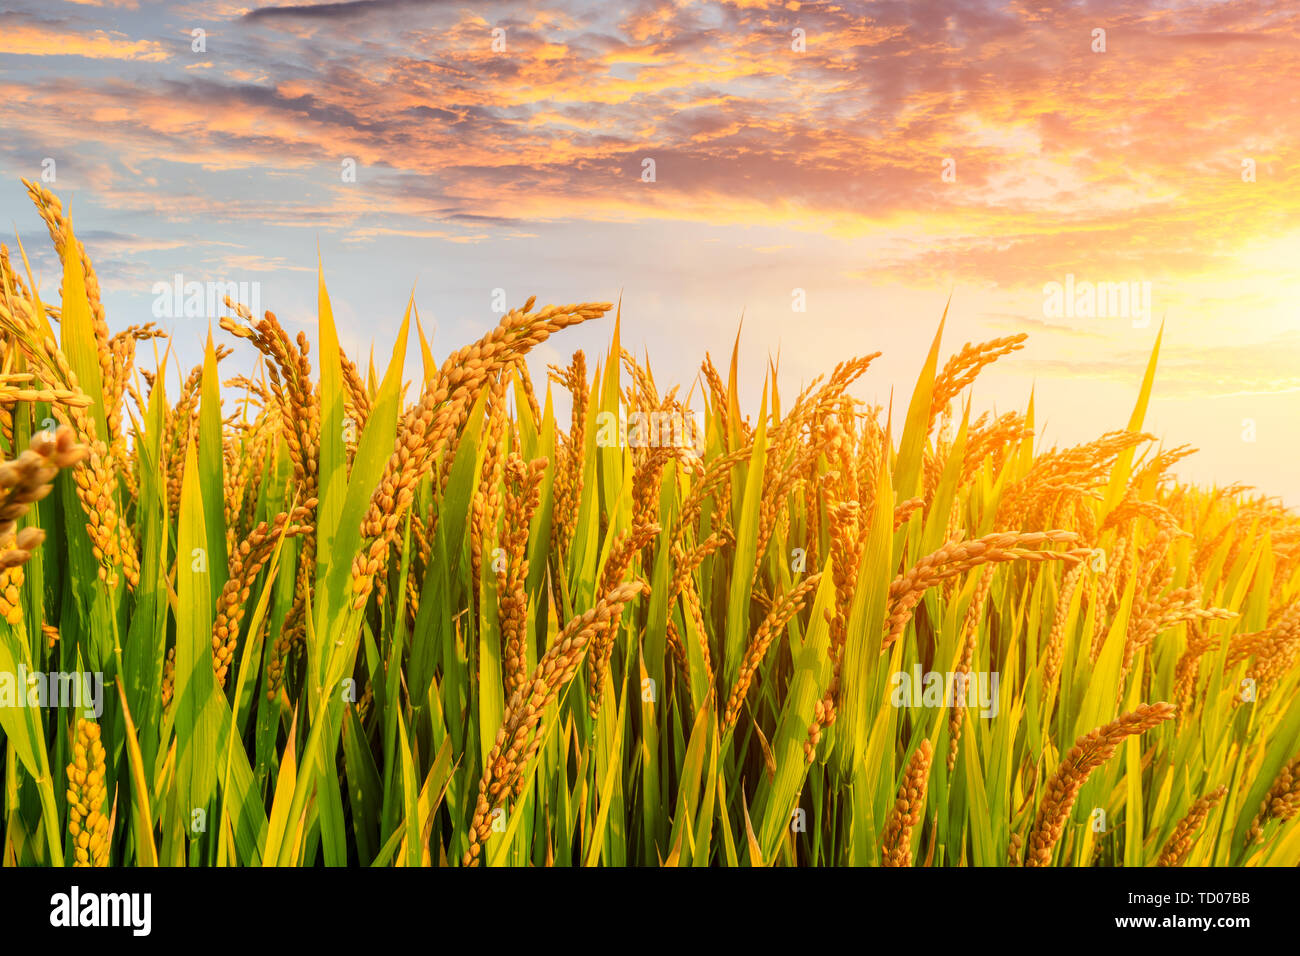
(1089, 752)
(962, 369)
(908, 808)
(25, 481)
(1281, 803)
(520, 733)
(1180, 841)
(88, 823)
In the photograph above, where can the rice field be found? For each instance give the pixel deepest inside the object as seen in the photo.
(337, 618)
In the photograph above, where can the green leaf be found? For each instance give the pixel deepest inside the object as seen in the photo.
(211, 472)
(410, 799)
(332, 476)
(907, 473)
(1119, 475)
(746, 552)
(776, 800)
(78, 333)
(198, 713)
(862, 645)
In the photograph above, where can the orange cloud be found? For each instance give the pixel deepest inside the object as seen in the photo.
(38, 39)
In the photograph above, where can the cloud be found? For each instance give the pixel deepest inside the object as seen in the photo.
(1052, 156)
(371, 232)
(348, 10)
(124, 4)
(1267, 367)
(238, 264)
(1065, 161)
(21, 36)
(1025, 323)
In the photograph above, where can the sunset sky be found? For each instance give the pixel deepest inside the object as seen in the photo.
(1169, 158)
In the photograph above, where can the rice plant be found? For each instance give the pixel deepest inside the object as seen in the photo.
(339, 621)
